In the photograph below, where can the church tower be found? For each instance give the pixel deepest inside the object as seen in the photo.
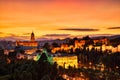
(32, 37)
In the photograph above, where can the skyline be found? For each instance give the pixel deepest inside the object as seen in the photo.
(58, 18)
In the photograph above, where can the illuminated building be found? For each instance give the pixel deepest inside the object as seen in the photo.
(55, 49)
(31, 51)
(119, 48)
(66, 61)
(31, 43)
(32, 37)
(79, 43)
(64, 47)
(103, 41)
(90, 47)
(96, 41)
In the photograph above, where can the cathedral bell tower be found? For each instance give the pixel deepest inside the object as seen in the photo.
(32, 37)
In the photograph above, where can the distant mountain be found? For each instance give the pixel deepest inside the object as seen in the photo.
(8, 39)
(52, 38)
(42, 39)
(114, 37)
(11, 38)
(107, 36)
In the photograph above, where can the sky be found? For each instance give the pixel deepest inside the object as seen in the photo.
(58, 18)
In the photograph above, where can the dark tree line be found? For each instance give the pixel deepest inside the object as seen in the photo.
(27, 69)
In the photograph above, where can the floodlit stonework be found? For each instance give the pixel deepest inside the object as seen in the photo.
(31, 43)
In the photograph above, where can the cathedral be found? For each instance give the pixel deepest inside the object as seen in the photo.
(31, 43)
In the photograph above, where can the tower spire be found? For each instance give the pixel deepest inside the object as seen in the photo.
(32, 36)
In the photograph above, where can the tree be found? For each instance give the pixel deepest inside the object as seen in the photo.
(47, 46)
(54, 44)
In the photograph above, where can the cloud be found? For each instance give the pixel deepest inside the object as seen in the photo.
(1, 33)
(79, 29)
(42, 39)
(8, 34)
(113, 28)
(53, 35)
(26, 33)
(13, 37)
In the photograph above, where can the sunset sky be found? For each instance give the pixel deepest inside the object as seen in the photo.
(58, 18)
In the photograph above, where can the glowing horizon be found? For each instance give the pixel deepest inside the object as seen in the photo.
(69, 17)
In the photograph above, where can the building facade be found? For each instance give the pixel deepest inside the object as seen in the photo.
(31, 43)
(66, 61)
